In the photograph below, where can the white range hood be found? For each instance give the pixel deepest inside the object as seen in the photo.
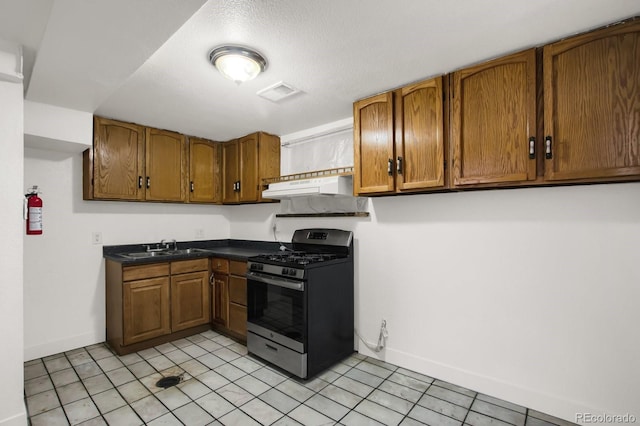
(322, 185)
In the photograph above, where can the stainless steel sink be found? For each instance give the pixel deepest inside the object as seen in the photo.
(189, 251)
(164, 253)
(145, 254)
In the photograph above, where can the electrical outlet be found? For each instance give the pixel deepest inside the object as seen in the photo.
(199, 233)
(96, 237)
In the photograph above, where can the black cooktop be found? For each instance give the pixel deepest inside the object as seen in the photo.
(295, 258)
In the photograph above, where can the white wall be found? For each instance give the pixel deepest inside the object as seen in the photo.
(64, 305)
(530, 295)
(12, 410)
(56, 128)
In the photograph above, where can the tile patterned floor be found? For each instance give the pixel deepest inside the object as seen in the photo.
(223, 385)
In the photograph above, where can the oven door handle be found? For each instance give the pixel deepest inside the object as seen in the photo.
(291, 284)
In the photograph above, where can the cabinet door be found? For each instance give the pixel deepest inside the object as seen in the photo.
(592, 104)
(248, 147)
(220, 301)
(230, 171)
(494, 117)
(146, 309)
(419, 139)
(204, 171)
(166, 165)
(118, 160)
(238, 290)
(373, 145)
(268, 159)
(189, 300)
(238, 319)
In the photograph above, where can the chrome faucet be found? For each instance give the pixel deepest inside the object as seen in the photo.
(166, 244)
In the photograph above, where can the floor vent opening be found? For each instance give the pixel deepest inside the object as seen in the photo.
(167, 382)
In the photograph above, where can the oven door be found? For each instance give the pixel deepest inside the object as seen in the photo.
(276, 309)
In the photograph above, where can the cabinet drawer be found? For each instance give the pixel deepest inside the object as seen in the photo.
(220, 265)
(193, 265)
(238, 268)
(139, 272)
(238, 290)
(238, 319)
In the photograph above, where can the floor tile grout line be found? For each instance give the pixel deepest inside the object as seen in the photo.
(192, 377)
(212, 369)
(493, 417)
(55, 389)
(315, 389)
(424, 392)
(110, 381)
(370, 393)
(469, 410)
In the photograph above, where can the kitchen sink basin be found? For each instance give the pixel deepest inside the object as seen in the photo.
(189, 251)
(148, 254)
(145, 254)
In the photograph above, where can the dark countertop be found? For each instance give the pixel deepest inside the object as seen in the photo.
(230, 249)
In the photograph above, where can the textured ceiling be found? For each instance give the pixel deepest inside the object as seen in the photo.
(146, 60)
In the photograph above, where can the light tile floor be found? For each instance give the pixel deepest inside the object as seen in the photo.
(222, 384)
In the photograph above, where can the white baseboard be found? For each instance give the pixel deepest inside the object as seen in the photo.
(19, 419)
(554, 405)
(66, 344)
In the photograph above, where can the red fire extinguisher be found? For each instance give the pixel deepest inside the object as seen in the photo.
(34, 212)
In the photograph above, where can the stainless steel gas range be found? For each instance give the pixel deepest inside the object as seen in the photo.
(300, 302)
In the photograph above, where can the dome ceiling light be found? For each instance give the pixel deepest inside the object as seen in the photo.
(238, 63)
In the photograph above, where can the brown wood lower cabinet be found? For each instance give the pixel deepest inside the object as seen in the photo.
(189, 294)
(238, 304)
(146, 309)
(229, 297)
(219, 299)
(155, 303)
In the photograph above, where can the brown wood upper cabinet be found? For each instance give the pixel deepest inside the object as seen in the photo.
(245, 162)
(413, 158)
(205, 179)
(166, 157)
(419, 141)
(592, 104)
(131, 162)
(494, 122)
(118, 161)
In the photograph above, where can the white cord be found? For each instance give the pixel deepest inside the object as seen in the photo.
(282, 246)
(382, 338)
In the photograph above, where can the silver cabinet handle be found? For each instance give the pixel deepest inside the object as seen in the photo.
(548, 153)
(532, 148)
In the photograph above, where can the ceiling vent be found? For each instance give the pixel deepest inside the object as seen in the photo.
(277, 92)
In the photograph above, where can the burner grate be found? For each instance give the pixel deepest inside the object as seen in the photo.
(299, 257)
